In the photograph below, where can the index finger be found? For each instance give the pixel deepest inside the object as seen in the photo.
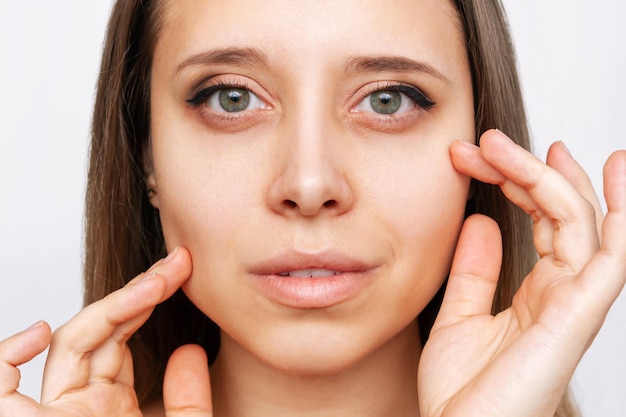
(91, 346)
(565, 225)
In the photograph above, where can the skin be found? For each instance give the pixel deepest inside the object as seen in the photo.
(323, 166)
(311, 148)
(312, 142)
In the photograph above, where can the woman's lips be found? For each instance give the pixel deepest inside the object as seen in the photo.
(319, 280)
(311, 273)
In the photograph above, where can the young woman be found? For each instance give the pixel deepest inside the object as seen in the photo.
(327, 248)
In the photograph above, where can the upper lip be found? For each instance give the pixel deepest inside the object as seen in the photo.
(293, 260)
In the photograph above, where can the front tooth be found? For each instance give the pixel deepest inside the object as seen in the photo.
(312, 273)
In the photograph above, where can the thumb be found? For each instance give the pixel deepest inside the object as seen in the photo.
(474, 273)
(186, 388)
(16, 351)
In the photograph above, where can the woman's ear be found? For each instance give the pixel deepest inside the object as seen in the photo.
(149, 176)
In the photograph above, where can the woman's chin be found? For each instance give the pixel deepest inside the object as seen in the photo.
(314, 361)
(316, 351)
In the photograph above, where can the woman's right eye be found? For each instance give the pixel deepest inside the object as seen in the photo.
(227, 99)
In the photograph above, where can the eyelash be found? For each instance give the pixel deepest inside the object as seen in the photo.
(420, 100)
(413, 93)
(416, 95)
(202, 95)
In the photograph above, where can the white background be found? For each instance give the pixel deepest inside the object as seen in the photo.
(572, 60)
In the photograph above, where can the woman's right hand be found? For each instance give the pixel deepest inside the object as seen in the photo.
(89, 371)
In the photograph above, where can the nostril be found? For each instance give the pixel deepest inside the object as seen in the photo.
(293, 205)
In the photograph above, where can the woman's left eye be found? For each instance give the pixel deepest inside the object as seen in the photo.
(396, 99)
(229, 99)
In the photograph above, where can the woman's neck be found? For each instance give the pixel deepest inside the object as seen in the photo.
(381, 384)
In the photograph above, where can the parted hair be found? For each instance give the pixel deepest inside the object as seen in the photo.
(123, 235)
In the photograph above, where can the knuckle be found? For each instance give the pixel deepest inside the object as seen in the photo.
(59, 335)
(63, 339)
(581, 210)
(9, 378)
(588, 210)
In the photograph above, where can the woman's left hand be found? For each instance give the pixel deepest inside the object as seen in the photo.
(520, 362)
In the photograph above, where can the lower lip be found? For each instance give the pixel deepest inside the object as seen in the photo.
(319, 292)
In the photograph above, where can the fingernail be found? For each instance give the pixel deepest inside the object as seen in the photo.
(168, 258)
(171, 255)
(503, 136)
(467, 144)
(147, 278)
(34, 326)
(565, 148)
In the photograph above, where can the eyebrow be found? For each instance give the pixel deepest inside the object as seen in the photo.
(393, 64)
(255, 57)
(237, 56)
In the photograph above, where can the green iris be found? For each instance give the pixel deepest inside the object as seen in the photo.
(386, 102)
(234, 99)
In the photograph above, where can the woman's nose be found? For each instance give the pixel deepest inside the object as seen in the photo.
(311, 176)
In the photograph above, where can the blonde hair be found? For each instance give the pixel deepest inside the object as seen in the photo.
(123, 232)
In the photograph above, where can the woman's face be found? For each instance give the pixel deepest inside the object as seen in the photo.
(300, 153)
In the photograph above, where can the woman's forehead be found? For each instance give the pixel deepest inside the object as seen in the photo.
(313, 31)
